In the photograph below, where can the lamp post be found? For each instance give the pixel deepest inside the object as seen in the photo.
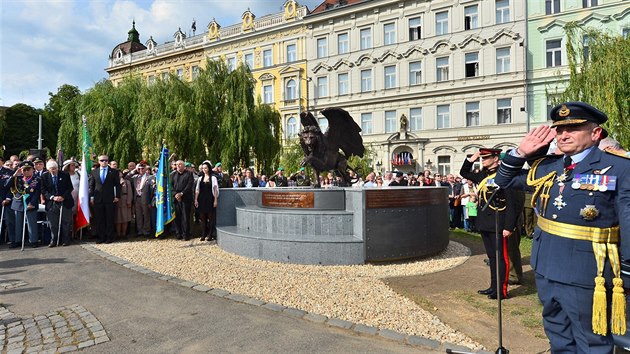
(378, 165)
(429, 165)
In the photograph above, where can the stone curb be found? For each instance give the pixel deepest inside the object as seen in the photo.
(357, 328)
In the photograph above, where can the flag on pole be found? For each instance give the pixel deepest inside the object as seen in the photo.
(82, 219)
(163, 195)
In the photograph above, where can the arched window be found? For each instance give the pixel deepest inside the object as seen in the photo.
(291, 128)
(291, 93)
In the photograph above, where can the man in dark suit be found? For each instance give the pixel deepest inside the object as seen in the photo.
(57, 190)
(143, 188)
(182, 181)
(581, 246)
(104, 194)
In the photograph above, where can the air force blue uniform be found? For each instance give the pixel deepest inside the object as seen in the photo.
(566, 267)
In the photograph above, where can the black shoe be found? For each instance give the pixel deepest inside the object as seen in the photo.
(486, 291)
(203, 238)
(99, 242)
(493, 296)
(14, 245)
(65, 244)
(51, 245)
(34, 245)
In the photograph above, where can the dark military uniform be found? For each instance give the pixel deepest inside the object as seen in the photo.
(509, 205)
(301, 180)
(8, 221)
(583, 208)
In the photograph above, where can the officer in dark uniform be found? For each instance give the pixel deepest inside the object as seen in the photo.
(506, 207)
(8, 216)
(222, 178)
(579, 252)
(301, 178)
(279, 178)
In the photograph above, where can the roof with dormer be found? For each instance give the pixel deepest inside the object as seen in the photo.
(334, 4)
(132, 44)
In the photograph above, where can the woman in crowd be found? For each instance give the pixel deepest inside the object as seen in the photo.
(70, 166)
(123, 207)
(206, 200)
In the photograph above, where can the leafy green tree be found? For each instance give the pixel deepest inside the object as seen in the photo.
(22, 127)
(52, 114)
(600, 76)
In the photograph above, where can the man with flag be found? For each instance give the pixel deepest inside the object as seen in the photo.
(163, 196)
(82, 219)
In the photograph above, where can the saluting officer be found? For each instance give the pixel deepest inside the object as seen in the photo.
(583, 205)
(506, 207)
(301, 178)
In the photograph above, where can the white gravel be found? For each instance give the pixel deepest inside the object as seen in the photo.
(353, 293)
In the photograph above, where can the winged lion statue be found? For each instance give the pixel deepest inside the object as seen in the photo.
(321, 150)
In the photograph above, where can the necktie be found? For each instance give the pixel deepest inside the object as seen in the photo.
(55, 182)
(567, 161)
(103, 176)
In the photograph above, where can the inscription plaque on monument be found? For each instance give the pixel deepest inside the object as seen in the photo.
(401, 198)
(288, 199)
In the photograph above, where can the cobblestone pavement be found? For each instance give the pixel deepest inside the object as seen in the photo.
(61, 330)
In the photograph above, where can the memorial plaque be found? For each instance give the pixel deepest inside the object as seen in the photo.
(401, 198)
(288, 199)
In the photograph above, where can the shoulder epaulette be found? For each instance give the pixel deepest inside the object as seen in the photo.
(617, 153)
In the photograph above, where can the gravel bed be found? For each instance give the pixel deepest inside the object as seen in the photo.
(352, 293)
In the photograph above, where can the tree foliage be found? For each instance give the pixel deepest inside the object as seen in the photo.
(600, 76)
(22, 128)
(212, 117)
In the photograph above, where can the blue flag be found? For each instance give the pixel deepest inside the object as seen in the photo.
(163, 196)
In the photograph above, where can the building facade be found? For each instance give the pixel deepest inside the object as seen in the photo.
(547, 67)
(429, 82)
(272, 46)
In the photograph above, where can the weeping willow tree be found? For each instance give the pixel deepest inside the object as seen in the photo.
(600, 76)
(214, 116)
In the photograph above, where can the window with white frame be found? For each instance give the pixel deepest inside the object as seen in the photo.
(151, 79)
(389, 33)
(180, 73)
(291, 53)
(290, 90)
(366, 80)
(415, 73)
(322, 86)
(390, 76)
(268, 94)
(625, 33)
(231, 64)
(292, 128)
(441, 69)
(249, 60)
(323, 124)
(415, 28)
(415, 119)
(390, 121)
(504, 111)
(343, 43)
(554, 53)
(165, 76)
(194, 72)
(444, 165)
(471, 17)
(472, 64)
(441, 23)
(472, 114)
(365, 38)
(552, 7)
(589, 3)
(366, 123)
(502, 11)
(343, 84)
(322, 47)
(443, 116)
(267, 58)
(503, 60)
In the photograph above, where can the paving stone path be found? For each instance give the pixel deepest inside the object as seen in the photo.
(61, 330)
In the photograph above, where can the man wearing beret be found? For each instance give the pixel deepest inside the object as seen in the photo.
(279, 178)
(503, 211)
(581, 243)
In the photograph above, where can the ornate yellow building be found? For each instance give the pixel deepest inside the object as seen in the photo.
(273, 46)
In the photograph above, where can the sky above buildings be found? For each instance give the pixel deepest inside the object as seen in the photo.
(47, 43)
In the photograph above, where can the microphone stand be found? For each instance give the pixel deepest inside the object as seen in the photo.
(497, 243)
